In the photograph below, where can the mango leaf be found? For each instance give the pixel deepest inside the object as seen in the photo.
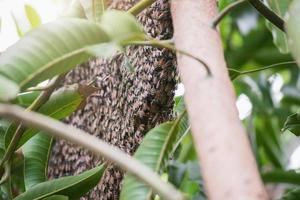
(60, 105)
(75, 9)
(93, 9)
(57, 197)
(32, 16)
(36, 155)
(293, 124)
(154, 150)
(72, 186)
(291, 195)
(121, 26)
(49, 50)
(293, 29)
(104, 50)
(8, 89)
(25, 99)
(280, 7)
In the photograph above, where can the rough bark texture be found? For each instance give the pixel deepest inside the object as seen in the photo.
(127, 105)
(228, 166)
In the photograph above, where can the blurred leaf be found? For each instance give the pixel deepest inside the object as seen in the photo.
(293, 29)
(72, 186)
(121, 26)
(293, 124)
(93, 9)
(8, 89)
(104, 50)
(280, 7)
(57, 197)
(291, 195)
(25, 99)
(60, 105)
(179, 106)
(20, 30)
(36, 155)
(279, 176)
(75, 9)
(50, 50)
(32, 16)
(153, 152)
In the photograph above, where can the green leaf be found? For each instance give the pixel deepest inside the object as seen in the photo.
(8, 89)
(280, 40)
(153, 152)
(104, 50)
(25, 99)
(293, 29)
(57, 197)
(49, 50)
(293, 124)
(280, 176)
(36, 155)
(32, 16)
(72, 186)
(291, 195)
(20, 30)
(121, 26)
(60, 105)
(93, 9)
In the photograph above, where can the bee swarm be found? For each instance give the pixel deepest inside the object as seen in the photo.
(127, 105)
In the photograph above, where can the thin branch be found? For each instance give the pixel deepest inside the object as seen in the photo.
(140, 6)
(268, 14)
(269, 67)
(225, 11)
(99, 147)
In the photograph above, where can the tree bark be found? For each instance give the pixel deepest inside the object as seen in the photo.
(127, 105)
(228, 166)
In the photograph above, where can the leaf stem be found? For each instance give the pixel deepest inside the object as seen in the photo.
(140, 6)
(268, 13)
(268, 67)
(99, 147)
(225, 11)
(38, 102)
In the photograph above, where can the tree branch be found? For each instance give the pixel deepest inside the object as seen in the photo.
(99, 147)
(228, 167)
(225, 11)
(140, 6)
(268, 13)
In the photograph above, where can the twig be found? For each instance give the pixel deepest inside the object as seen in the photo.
(225, 11)
(140, 6)
(99, 147)
(268, 13)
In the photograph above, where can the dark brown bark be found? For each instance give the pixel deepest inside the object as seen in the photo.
(127, 105)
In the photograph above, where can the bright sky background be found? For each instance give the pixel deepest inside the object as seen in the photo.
(50, 9)
(8, 35)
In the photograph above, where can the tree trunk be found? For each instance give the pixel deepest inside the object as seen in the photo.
(127, 105)
(228, 166)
